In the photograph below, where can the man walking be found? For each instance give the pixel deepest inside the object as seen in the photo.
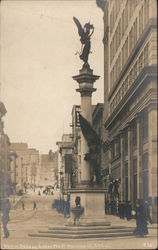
(34, 205)
(22, 204)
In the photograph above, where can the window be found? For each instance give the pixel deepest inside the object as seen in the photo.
(135, 31)
(141, 21)
(126, 16)
(140, 62)
(126, 182)
(134, 181)
(126, 49)
(146, 54)
(119, 33)
(134, 130)
(135, 70)
(145, 162)
(144, 126)
(145, 175)
(112, 151)
(79, 160)
(117, 147)
(126, 142)
(126, 84)
(146, 12)
(123, 23)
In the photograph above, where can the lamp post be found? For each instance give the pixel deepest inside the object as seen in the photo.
(61, 191)
(61, 184)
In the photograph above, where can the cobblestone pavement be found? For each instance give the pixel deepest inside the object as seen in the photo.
(23, 222)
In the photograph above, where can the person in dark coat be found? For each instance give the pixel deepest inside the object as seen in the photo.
(145, 217)
(128, 210)
(23, 205)
(5, 217)
(34, 205)
(142, 218)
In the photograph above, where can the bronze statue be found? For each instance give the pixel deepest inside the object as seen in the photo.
(85, 34)
(94, 146)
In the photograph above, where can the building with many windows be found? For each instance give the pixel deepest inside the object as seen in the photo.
(5, 170)
(65, 162)
(130, 97)
(25, 167)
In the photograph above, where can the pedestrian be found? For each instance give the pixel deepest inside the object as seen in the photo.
(128, 210)
(142, 218)
(5, 217)
(145, 217)
(34, 205)
(23, 205)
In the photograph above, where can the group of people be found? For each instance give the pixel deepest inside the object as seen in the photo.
(142, 213)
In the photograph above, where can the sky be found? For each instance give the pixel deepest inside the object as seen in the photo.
(38, 44)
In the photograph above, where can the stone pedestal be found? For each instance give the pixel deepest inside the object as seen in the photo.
(93, 202)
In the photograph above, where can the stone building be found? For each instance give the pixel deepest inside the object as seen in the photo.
(65, 156)
(5, 170)
(27, 161)
(76, 138)
(47, 170)
(130, 97)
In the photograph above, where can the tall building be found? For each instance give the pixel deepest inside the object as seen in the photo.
(5, 170)
(130, 97)
(27, 162)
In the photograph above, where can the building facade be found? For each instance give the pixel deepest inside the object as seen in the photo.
(47, 171)
(76, 138)
(130, 97)
(5, 170)
(27, 162)
(65, 162)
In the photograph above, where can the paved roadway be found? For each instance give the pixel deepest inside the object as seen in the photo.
(27, 221)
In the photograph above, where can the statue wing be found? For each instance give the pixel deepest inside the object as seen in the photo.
(88, 132)
(80, 29)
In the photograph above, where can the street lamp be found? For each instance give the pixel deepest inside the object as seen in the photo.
(61, 191)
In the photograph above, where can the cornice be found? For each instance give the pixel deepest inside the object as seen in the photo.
(147, 74)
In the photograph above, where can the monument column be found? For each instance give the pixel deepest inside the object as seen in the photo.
(85, 80)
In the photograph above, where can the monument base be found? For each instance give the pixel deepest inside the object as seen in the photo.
(93, 202)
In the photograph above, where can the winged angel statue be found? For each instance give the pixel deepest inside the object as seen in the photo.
(85, 34)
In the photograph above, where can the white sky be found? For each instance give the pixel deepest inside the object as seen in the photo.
(38, 44)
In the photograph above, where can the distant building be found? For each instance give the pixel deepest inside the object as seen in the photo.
(47, 173)
(27, 162)
(130, 97)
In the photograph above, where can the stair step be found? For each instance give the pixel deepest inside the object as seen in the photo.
(83, 236)
(88, 231)
(80, 228)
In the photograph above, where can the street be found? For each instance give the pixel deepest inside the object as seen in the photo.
(22, 222)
